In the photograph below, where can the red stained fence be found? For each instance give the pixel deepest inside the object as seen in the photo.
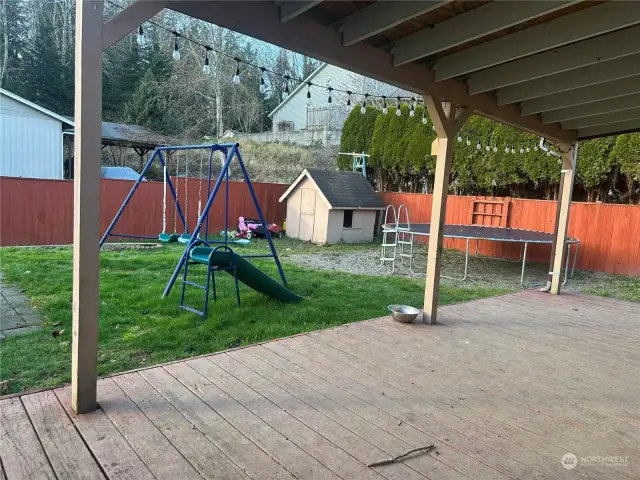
(609, 234)
(40, 212)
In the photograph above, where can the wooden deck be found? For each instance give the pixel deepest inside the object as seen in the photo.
(503, 387)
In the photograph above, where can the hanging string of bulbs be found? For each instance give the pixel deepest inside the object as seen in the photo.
(387, 102)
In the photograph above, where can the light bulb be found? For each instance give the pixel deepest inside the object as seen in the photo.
(495, 148)
(513, 151)
(363, 109)
(528, 149)
(329, 99)
(176, 51)
(206, 69)
(433, 127)
(140, 38)
(506, 149)
(521, 149)
(468, 142)
(535, 148)
(478, 146)
(398, 112)
(412, 112)
(263, 86)
(236, 76)
(459, 138)
(285, 94)
(385, 110)
(487, 148)
(424, 119)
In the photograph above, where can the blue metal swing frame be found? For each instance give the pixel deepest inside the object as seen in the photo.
(231, 151)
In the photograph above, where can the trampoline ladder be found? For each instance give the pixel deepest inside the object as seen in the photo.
(404, 237)
(389, 249)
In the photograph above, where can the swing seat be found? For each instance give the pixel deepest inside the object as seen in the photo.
(168, 237)
(184, 238)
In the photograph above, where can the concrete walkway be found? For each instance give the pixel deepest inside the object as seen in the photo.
(16, 314)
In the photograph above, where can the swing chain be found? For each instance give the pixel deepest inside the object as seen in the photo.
(175, 213)
(164, 201)
(186, 185)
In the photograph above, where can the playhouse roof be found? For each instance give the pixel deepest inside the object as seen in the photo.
(341, 190)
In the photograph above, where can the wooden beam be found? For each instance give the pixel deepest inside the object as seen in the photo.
(577, 55)
(468, 26)
(588, 23)
(382, 16)
(447, 119)
(579, 96)
(580, 77)
(603, 119)
(569, 155)
(128, 20)
(310, 38)
(593, 108)
(627, 126)
(290, 9)
(86, 205)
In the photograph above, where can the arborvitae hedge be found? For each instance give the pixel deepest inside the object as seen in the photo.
(400, 158)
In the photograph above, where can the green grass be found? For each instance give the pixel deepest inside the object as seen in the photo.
(138, 328)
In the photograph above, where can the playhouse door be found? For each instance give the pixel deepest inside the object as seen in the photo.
(307, 213)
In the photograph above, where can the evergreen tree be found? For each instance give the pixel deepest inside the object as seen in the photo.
(400, 148)
(418, 154)
(348, 137)
(45, 78)
(626, 153)
(394, 135)
(594, 164)
(147, 107)
(13, 28)
(364, 132)
(378, 140)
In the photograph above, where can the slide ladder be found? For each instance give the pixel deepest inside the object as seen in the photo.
(388, 248)
(404, 237)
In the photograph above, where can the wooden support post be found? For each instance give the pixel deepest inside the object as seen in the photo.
(86, 219)
(447, 120)
(569, 155)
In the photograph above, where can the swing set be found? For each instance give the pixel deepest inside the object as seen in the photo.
(200, 250)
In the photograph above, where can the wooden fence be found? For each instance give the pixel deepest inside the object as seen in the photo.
(609, 233)
(40, 212)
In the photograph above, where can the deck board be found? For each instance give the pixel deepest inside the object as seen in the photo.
(503, 387)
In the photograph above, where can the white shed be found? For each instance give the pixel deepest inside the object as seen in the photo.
(30, 139)
(330, 206)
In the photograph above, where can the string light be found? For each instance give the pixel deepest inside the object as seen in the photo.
(236, 76)
(176, 47)
(506, 149)
(398, 110)
(140, 37)
(285, 94)
(488, 147)
(363, 109)
(513, 151)
(535, 147)
(528, 149)
(263, 87)
(349, 100)
(206, 69)
(478, 146)
(468, 141)
(412, 112)
(459, 138)
(308, 93)
(495, 147)
(385, 110)
(424, 118)
(329, 99)
(521, 148)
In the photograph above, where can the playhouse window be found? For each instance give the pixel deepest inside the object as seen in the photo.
(347, 220)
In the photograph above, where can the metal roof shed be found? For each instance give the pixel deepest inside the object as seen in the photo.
(565, 70)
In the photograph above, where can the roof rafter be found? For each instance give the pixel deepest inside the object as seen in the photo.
(291, 9)
(593, 108)
(592, 93)
(603, 118)
(468, 26)
(595, 50)
(561, 82)
(627, 126)
(382, 16)
(588, 23)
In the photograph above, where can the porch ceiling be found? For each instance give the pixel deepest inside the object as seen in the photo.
(524, 63)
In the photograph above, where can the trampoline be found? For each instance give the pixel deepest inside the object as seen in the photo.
(405, 234)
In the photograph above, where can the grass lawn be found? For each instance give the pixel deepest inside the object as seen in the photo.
(138, 328)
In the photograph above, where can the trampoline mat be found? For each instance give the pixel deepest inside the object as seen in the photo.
(480, 232)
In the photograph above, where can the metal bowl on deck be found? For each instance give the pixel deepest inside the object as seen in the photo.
(403, 313)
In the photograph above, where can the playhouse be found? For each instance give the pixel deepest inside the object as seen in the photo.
(329, 206)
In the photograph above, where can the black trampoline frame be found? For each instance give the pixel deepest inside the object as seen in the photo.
(477, 233)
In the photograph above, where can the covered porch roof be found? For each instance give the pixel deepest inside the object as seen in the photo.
(564, 70)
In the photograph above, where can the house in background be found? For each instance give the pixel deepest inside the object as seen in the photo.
(331, 206)
(307, 121)
(31, 142)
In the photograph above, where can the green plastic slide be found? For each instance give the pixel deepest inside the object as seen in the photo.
(247, 273)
